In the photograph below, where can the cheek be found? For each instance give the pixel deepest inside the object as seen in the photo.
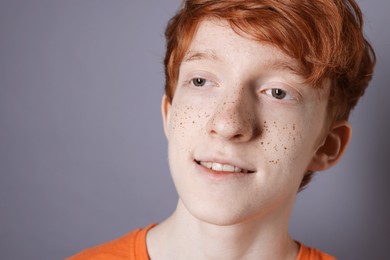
(186, 121)
(284, 142)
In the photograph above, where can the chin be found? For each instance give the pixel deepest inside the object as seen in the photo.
(221, 215)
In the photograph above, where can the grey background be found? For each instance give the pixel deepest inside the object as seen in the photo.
(83, 155)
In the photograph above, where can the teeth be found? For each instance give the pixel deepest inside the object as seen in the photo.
(222, 167)
(228, 168)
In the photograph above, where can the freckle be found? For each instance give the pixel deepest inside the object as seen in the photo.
(193, 122)
(262, 143)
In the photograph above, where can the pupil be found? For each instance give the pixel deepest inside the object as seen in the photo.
(278, 93)
(199, 82)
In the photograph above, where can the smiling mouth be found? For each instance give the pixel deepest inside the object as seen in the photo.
(223, 167)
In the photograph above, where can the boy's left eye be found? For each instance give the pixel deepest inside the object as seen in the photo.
(278, 93)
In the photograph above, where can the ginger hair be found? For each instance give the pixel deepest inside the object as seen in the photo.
(324, 36)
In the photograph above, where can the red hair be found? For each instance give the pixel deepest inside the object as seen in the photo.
(324, 36)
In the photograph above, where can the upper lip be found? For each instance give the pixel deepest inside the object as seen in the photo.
(243, 166)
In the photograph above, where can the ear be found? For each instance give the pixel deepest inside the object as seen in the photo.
(165, 109)
(332, 148)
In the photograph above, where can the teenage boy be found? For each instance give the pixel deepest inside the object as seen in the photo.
(257, 98)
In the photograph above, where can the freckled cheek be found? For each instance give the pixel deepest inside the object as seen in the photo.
(294, 145)
(282, 141)
(186, 120)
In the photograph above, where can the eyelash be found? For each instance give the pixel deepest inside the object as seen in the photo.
(201, 82)
(195, 81)
(278, 93)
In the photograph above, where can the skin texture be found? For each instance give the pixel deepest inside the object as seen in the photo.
(241, 103)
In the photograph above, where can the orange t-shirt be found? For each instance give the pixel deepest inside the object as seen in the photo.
(132, 246)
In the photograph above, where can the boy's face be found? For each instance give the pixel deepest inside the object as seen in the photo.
(242, 128)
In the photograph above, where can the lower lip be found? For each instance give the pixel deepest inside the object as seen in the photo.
(220, 175)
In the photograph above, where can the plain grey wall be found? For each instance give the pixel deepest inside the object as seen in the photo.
(83, 155)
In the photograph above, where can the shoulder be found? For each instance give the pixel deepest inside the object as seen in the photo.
(307, 253)
(130, 246)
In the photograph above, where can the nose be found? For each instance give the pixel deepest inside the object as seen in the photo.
(234, 119)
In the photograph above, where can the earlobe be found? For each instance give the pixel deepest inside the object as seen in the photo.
(332, 148)
(165, 109)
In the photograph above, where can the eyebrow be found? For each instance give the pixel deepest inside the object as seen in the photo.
(284, 66)
(277, 65)
(200, 55)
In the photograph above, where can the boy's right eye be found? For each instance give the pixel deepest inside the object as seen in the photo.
(198, 82)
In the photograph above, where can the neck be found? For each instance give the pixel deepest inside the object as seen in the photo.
(183, 236)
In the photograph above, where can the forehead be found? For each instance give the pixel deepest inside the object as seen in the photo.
(216, 41)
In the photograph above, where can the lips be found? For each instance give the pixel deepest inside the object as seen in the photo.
(228, 168)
